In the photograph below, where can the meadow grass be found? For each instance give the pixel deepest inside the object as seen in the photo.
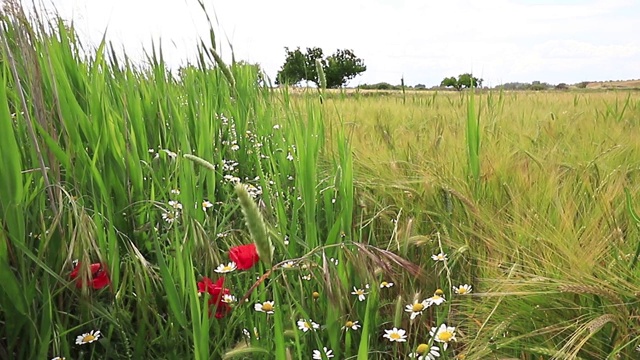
(369, 214)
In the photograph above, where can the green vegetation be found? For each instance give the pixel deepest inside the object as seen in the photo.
(463, 81)
(216, 218)
(338, 68)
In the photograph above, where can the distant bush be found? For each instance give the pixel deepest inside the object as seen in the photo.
(582, 85)
(380, 86)
(562, 86)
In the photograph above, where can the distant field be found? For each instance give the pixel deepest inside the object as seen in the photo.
(629, 84)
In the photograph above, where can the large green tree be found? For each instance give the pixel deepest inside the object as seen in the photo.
(338, 68)
(465, 80)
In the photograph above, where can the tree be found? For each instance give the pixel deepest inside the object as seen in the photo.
(338, 68)
(450, 82)
(465, 80)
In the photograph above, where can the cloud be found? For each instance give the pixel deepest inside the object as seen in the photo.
(504, 40)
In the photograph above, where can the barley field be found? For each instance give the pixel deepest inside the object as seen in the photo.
(147, 215)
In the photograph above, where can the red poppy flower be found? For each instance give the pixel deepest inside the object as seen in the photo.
(245, 256)
(98, 276)
(217, 291)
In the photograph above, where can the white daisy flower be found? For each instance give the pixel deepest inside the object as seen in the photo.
(266, 307)
(306, 277)
(360, 293)
(385, 284)
(324, 354)
(443, 334)
(288, 265)
(175, 204)
(353, 325)
(306, 325)
(169, 217)
(229, 299)
(88, 338)
(222, 268)
(289, 157)
(462, 289)
(437, 298)
(246, 333)
(58, 358)
(206, 204)
(395, 334)
(424, 352)
(416, 308)
(439, 257)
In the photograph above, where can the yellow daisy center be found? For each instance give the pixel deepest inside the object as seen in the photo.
(88, 338)
(267, 307)
(315, 294)
(359, 292)
(417, 307)
(462, 290)
(384, 283)
(394, 336)
(422, 348)
(348, 324)
(227, 268)
(445, 336)
(439, 292)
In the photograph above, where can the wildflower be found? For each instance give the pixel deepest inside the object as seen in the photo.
(395, 334)
(206, 204)
(318, 355)
(424, 352)
(276, 127)
(217, 292)
(353, 325)
(437, 298)
(245, 256)
(315, 295)
(58, 358)
(334, 261)
(229, 299)
(444, 334)
(235, 147)
(289, 157)
(175, 204)
(246, 333)
(98, 276)
(360, 293)
(385, 284)
(169, 217)
(416, 308)
(88, 338)
(288, 265)
(462, 289)
(306, 277)
(266, 307)
(439, 257)
(306, 325)
(175, 191)
(222, 268)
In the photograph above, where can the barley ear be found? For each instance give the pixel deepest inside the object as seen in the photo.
(256, 225)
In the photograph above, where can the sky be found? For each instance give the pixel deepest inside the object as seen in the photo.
(421, 41)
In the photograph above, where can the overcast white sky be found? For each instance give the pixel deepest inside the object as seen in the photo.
(424, 41)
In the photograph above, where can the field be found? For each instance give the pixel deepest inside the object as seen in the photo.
(493, 225)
